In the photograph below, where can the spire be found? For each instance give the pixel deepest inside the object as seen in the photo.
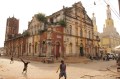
(108, 12)
(93, 18)
(109, 20)
(94, 23)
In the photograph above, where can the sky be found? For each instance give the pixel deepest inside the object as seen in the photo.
(25, 9)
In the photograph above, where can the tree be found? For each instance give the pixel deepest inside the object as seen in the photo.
(25, 33)
(62, 23)
(41, 17)
(42, 31)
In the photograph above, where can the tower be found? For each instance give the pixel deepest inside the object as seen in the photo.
(94, 24)
(109, 20)
(108, 12)
(12, 28)
(109, 23)
(110, 37)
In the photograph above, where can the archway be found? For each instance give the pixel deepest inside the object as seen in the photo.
(57, 50)
(81, 50)
(36, 45)
(43, 48)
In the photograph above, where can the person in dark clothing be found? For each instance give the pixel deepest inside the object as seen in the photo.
(107, 57)
(118, 59)
(62, 70)
(25, 66)
(118, 63)
(11, 60)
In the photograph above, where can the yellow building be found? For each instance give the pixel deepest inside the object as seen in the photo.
(110, 37)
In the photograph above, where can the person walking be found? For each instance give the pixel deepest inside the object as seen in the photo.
(62, 68)
(118, 63)
(25, 66)
(12, 61)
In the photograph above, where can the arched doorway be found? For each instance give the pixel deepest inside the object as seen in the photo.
(43, 48)
(96, 51)
(29, 48)
(81, 50)
(36, 47)
(57, 50)
(70, 49)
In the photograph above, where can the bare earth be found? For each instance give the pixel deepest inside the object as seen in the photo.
(37, 70)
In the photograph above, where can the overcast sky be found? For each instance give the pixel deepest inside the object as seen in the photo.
(25, 9)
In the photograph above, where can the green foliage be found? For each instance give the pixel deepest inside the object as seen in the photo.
(25, 33)
(41, 31)
(62, 23)
(41, 17)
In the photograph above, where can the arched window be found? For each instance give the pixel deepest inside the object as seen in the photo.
(70, 30)
(89, 34)
(43, 47)
(70, 47)
(35, 47)
(81, 32)
(30, 48)
(76, 30)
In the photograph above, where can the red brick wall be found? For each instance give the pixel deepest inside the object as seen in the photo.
(12, 26)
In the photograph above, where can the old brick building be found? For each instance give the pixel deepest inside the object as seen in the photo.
(67, 32)
(78, 33)
(12, 27)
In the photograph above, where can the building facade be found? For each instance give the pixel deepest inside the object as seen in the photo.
(67, 32)
(97, 48)
(12, 27)
(110, 38)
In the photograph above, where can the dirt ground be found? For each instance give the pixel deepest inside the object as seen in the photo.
(37, 70)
